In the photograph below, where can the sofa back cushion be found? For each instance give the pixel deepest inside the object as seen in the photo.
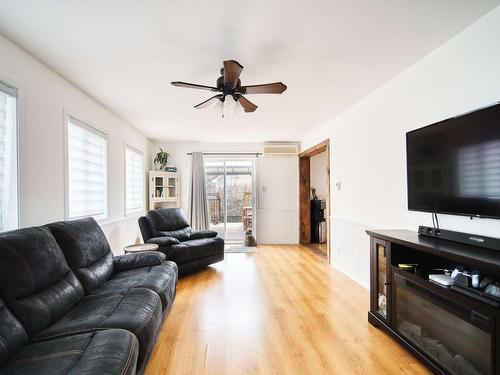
(86, 249)
(146, 231)
(12, 334)
(171, 222)
(36, 283)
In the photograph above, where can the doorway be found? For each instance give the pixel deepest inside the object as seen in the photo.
(231, 197)
(314, 165)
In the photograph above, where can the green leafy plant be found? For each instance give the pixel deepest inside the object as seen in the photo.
(161, 158)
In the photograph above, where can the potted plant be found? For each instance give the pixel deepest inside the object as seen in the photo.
(161, 159)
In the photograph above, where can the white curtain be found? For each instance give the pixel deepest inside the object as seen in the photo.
(198, 204)
(8, 159)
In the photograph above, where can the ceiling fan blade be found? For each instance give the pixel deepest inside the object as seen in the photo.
(247, 105)
(268, 88)
(209, 102)
(193, 86)
(232, 71)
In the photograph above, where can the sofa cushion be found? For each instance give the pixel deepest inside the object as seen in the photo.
(161, 279)
(196, 249)
(138, 310)
(103, 352)
(170, 222)
(146, 231)
(163, 241)
(86, 249)
(137, 260)
(203, 234)
(12, 334)
(181, 234)
(35, 281)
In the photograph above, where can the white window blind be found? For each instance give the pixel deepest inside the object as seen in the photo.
(8, 158)
(87, 171)
(134, 180)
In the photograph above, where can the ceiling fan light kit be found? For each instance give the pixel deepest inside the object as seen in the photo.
(231, 97)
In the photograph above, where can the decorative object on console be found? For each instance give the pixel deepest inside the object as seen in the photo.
(313, 193)
(161, 159)
(441, 279)
(475, 285)
(409, 267)
(493, 290)
(463, 279)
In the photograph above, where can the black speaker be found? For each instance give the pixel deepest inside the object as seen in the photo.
(467, 238)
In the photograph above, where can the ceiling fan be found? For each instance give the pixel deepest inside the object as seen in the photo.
(231, 91)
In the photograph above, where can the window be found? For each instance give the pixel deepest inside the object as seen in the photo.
(134, 180)
(87, 171)
(8, 158)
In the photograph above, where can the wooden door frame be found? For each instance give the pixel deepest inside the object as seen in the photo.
(305, 193)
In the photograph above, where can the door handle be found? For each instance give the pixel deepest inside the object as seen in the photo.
(480, 318)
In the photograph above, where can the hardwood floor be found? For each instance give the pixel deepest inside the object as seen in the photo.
(321, 248)
(281, 310)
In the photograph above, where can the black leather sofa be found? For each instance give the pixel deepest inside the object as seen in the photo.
(69, 307)
(190, 250)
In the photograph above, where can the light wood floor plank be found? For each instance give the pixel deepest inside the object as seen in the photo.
(281, 310)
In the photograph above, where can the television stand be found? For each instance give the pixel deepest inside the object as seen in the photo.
(452, 333)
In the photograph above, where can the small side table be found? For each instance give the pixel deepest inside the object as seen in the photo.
(140, 247)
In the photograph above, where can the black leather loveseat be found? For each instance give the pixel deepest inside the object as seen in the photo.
(69, 307)
(170, 229)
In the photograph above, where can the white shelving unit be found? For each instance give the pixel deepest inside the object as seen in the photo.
(163, 189)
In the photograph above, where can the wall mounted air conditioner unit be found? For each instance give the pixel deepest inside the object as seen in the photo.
(281, 149)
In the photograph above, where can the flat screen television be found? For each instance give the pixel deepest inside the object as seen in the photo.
(453, 166)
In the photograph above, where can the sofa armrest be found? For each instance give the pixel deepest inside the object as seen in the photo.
(136, 260)
(163, 241)
(203, 234)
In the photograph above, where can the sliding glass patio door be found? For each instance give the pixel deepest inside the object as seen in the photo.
(231, 196)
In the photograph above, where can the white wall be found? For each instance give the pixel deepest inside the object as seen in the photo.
(44, 97)
(368, 141)
(278, 200)
(277, 210)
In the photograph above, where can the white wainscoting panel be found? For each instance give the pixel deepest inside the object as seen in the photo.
(351, 250)
(277, 226)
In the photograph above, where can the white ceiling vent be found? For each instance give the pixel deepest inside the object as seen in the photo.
(281, 149)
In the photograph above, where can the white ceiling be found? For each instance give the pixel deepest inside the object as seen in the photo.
(330, 53)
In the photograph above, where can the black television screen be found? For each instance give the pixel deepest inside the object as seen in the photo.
(453, 166)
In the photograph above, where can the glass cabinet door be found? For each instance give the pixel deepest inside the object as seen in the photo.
(380, 293)
(172, 187)
(159, 191)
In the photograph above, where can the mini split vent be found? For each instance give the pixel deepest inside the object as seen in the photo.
(281, 149)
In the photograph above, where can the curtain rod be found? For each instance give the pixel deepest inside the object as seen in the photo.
(230, 153)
